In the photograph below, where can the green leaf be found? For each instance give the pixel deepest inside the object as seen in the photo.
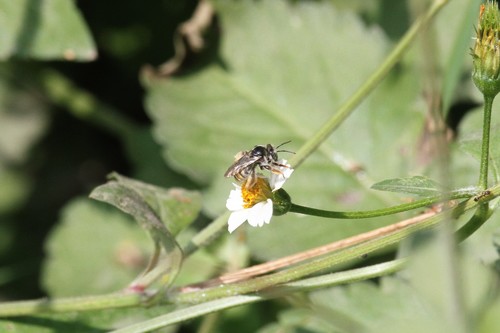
(45, 30)
(23, 120)
(15, 189)
(453, 31)
(297, 321)
(94, 249)
(472, 145)
(472, 285)
(176, 207)
(83, 322)
(419, 299)
(418, 185)
(287, 68)
(125, 198)
(357, 308)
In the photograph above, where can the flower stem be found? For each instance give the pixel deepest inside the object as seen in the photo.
(207, 235)
(378, 212)
(326, 262)
(117, 300)
(482, 214)
(485, 148)
(348, 107)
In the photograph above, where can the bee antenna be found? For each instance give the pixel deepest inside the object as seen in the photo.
(282, 144)
(285, 151)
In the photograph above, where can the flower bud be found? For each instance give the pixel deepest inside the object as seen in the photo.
(486, 51)
(281, 202)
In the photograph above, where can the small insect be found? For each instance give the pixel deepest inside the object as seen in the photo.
(246, 162)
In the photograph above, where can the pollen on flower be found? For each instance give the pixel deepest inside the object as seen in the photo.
(259, 192)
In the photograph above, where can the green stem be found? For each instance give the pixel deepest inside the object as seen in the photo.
(378, 212)
(19, 308)
(204, 295)
(84, 105)
(482, 214)
(485, 147)
(329, 261)
(207, 235)
(348, 107)
(328, 280)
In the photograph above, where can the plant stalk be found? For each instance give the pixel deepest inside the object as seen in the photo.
(485, 147)
(368, 86)
(378, 212)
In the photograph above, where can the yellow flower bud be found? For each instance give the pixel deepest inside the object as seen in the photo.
(486, 50)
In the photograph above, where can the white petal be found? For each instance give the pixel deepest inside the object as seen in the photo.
(235, 200)
(255, 216)
(277, 180)
(267, 211)
(260, 213)
(236, 219)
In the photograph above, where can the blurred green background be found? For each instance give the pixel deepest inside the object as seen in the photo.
(79, 99)
(48, 154)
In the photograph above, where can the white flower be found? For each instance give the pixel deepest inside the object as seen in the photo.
(255, 204)
(278, 179)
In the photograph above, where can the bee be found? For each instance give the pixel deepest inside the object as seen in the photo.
(246, 163)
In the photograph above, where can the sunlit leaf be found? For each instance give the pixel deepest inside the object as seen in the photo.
(287, 68)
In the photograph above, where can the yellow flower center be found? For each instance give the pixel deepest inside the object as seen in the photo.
(259, 192)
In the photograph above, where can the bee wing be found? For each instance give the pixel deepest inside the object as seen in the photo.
(240, 163)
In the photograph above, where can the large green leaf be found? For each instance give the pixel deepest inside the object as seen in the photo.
(125, 196)
(44, 29)
(287, 68)
(415, 303)
(94, 249)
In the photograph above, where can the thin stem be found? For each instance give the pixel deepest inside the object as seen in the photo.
(377, 212)
(207, 235)
(84, 105)
(328, 280)
(329, 261)
(482, 214)
(19, 308)
(348, 107)
(485, 147)
(377, 242)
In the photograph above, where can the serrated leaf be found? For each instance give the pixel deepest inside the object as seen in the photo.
(418, 185)
(45, 30)
(287, 69)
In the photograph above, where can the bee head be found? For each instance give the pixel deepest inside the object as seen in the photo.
(272, 152)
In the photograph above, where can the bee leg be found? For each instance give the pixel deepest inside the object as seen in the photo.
(276, 171)
(251, 180)
(281, 165)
